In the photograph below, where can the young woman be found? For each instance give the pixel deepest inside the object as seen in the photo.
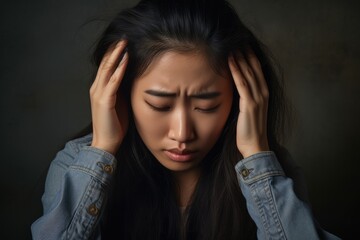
(187, 112)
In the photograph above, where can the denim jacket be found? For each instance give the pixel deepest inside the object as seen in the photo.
(80, 176)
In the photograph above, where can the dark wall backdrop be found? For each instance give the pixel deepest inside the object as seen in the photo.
(45, 75)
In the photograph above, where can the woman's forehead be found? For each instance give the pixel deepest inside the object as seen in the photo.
(190, 69)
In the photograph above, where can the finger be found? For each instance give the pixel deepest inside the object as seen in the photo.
(249, 75)
(109, 63)
(100, 70)
(240, 82)
(116, 79)
(256, 66)
(101, 65)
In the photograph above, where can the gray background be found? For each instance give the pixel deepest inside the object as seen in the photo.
(45, 75)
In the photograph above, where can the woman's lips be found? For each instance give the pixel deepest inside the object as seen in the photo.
(180, 156)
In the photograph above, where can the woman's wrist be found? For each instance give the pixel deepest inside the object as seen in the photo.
(251, 150)
(110, 149)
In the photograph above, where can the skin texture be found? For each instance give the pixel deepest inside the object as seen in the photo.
(183, 121)
(251, 132)
(108, 128)
(186, 120)
(180, 122)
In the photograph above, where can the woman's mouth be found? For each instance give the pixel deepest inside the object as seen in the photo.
(180, 155)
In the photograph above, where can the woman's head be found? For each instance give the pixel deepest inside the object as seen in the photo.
(210, 29)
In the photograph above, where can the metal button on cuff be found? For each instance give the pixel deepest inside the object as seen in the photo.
(245, 172)
(93, 210)
(108, 168)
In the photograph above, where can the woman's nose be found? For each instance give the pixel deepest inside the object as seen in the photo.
(181, 127)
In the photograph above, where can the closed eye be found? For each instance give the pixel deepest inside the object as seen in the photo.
(157, 108)
(208, 110)
(167, 108)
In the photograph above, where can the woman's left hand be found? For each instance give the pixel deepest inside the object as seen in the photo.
(251, 130)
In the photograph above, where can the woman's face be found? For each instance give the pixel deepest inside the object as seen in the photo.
(180, 107)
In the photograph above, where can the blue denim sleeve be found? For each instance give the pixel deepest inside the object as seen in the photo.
(75, 193)
(272, 203)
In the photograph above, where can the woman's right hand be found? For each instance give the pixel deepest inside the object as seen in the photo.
(109, 112)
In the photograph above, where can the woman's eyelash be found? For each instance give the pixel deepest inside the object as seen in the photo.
(159, 109)
(167, 108)
(208, 110)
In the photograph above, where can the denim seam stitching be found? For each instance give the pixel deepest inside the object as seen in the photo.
(89, 228)
(89, 221)
(78, 212)
(260, 208)
(257, 156)
(99, 152)
(274, 211)
(264, 175)
(103, 179)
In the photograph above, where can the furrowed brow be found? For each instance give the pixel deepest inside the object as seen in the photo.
(206, 95)
(160, 93)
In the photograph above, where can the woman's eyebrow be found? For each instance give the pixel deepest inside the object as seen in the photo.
(201, 95)
(206, 95)
(158, 93)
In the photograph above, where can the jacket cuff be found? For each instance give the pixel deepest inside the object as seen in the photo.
(95, 162)
(258, 166)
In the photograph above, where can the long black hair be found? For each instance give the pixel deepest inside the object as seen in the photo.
(142, 204)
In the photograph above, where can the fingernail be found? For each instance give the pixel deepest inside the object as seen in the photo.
(121, 42)
(124, 58)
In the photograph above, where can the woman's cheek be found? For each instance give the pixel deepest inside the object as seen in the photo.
(152, 124)
(210, 126)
